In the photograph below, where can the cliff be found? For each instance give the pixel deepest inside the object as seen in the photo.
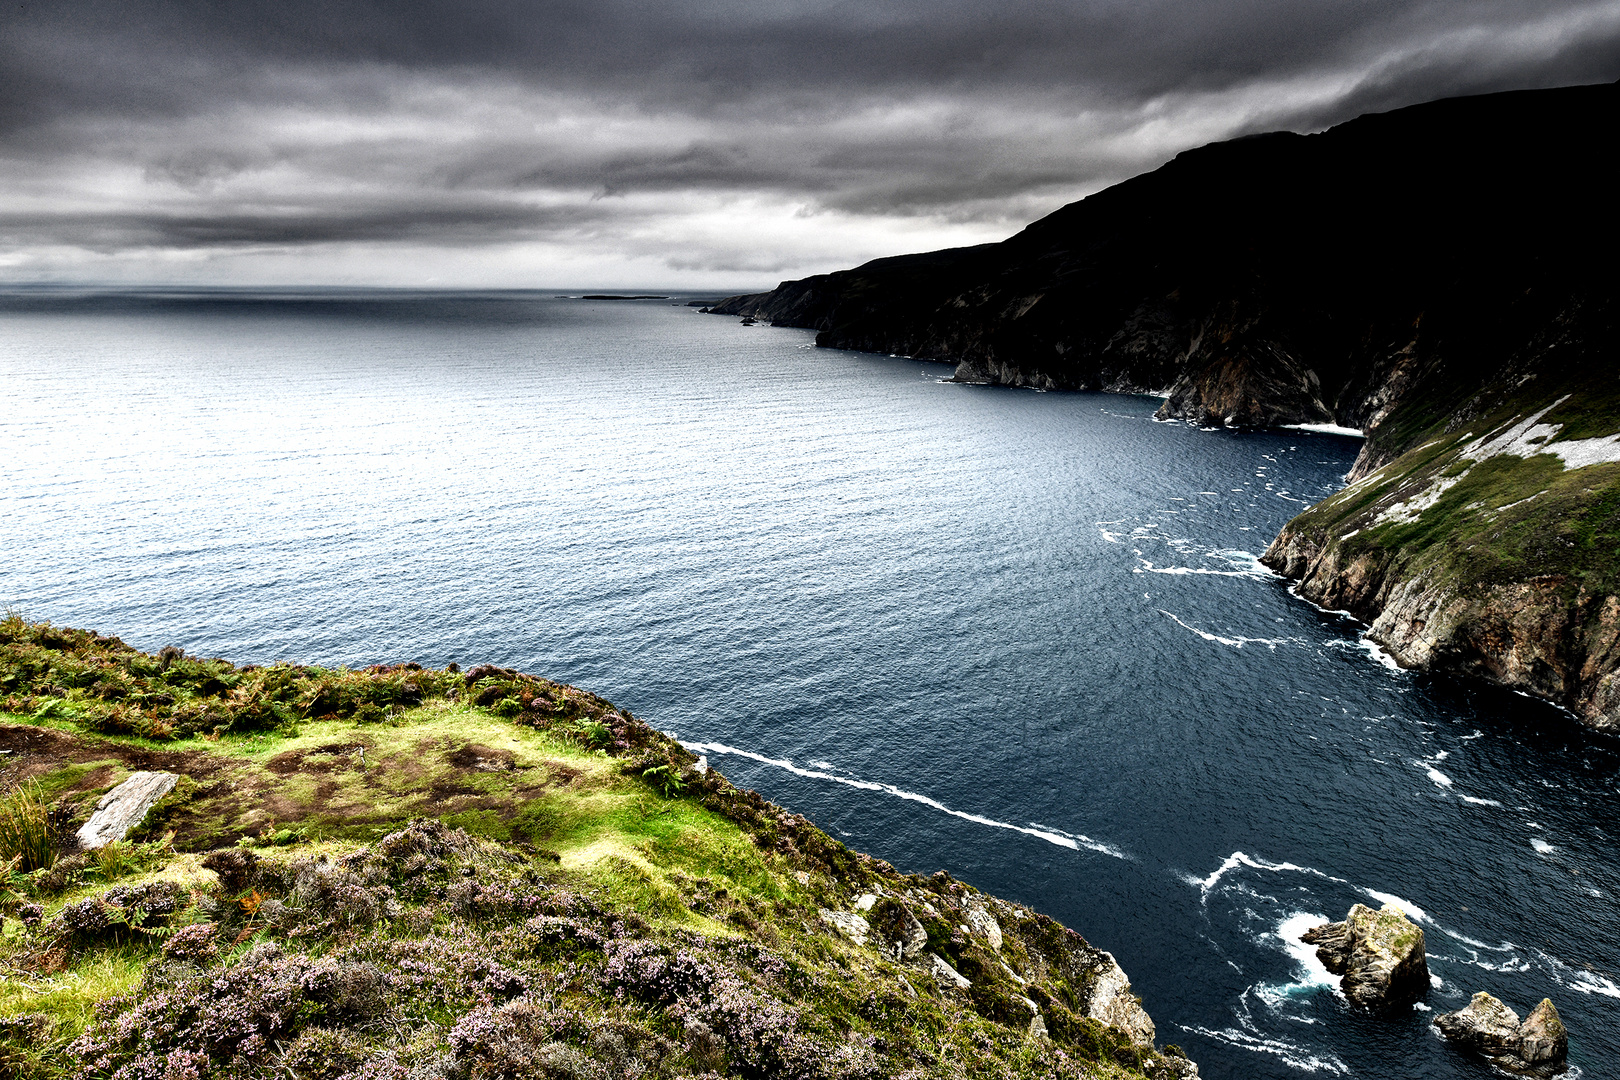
(400, 872)
(1441, 276)
(1274, 279)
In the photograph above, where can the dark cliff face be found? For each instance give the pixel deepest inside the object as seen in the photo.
(1271, 280)
(1443, 277)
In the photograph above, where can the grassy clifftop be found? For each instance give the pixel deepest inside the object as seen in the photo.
(1481, 534)
(398, 872)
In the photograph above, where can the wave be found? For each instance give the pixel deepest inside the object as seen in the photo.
(1248, 1036)
(1581, 980)
(1238, 858)
(1072, 841)
(1237, 642)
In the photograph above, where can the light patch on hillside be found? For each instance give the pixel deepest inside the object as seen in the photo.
(1530, 437)
(1409, 510)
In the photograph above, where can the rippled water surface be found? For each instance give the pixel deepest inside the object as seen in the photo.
(1022, 637)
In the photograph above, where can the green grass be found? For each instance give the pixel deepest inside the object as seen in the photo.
(582, 811)
(27, 841)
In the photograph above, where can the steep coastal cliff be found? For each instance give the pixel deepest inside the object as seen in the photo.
(404, 873)
(1441, 277)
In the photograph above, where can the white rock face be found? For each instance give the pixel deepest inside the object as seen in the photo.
(1110, 1001)
(947, 975)
(122, 808)
(984, 924)
(851, 925)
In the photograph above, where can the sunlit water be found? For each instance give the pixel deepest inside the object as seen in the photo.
(1018, 636)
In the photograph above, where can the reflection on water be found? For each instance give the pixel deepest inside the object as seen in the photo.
(1019, 636)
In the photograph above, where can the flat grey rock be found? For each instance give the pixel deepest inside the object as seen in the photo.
(122, 808)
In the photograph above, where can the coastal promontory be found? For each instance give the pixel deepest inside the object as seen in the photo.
(400, 872)
(1439, 278)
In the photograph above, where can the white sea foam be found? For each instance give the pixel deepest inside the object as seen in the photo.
(1413, 912)
(1148, 568)
(1440, 778)
(1582, 980)
(1478, 801)
(1288, 932)
(1234, 642)
(1292, 1054)
(1238, 858)
(1328, 429)
(1072, 841)
(1377, 652)
(1541, 846)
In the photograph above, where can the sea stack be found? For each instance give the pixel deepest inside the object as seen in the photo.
(1379, 953)
(1537, 1047)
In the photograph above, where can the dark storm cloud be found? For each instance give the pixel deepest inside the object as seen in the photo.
(600, 125)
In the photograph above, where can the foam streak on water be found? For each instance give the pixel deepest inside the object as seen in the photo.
(965, 628)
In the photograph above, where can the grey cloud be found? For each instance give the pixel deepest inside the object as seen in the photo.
(235, 124)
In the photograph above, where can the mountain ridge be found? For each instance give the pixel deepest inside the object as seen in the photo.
(1432, 275)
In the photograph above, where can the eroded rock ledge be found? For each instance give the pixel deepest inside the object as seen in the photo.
(1380, 954)
(1539, 1046)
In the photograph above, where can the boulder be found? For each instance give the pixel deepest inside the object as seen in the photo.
(984, 924)
(122, 808)
(1542, 1038)
(1537, 1047)
(946, 975)
(1106, 997)
(847, 923)
(1485, 1024)
(899, 933)
(1379, 954)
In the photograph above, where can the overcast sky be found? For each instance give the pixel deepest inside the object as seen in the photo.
(700, 144)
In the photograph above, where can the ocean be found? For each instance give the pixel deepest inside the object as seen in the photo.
(1021, 637)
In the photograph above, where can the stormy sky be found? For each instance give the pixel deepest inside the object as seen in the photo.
(683, 144)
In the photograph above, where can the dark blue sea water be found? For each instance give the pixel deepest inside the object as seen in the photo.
(1018, 636)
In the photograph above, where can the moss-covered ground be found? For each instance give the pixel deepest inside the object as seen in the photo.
(1501, 520)
(404, 873)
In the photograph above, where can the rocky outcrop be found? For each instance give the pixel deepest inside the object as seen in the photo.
(1379, 953)
(1007, 960)
(1108, 998)
(1537, 1047)
(1487, 549)
(124, 807)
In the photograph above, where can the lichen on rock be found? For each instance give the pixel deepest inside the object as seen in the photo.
(1380, 955)
(1538, 1047)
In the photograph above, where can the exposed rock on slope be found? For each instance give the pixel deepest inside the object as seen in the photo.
(499, 877)
(1491, 545)
(1379, 953)
(1441, 276)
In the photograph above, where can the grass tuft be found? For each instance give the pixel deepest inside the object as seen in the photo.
(25, 829)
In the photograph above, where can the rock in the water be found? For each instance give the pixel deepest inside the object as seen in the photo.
(1542, 1038)
(122, 808)
(1537, 1047)
(1485, 1024)
(1379, 953)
